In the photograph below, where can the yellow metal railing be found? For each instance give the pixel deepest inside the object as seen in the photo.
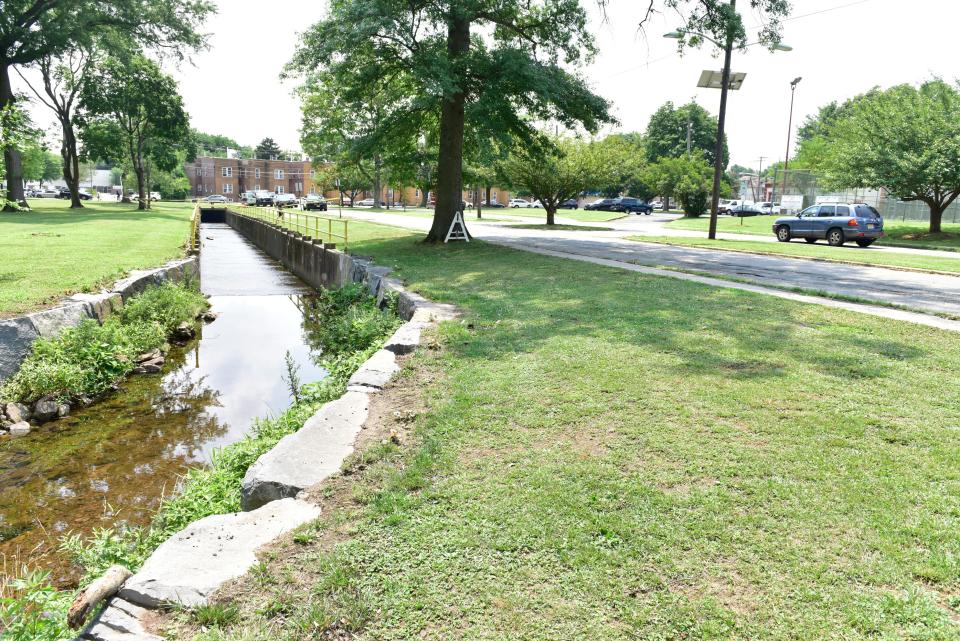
(333, 231)
(194, 241)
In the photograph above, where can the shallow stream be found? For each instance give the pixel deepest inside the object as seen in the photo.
(113, 461)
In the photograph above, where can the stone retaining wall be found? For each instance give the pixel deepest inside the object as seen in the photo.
(190, 566)
(17, 334)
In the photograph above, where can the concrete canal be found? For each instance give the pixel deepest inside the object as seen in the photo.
(111, 463)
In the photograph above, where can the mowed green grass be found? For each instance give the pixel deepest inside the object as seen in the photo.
(849, 253)
(899, 233)
(609, 455)
(572, 214)
(53, 251)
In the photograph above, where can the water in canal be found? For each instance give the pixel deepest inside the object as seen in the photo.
(111, 462)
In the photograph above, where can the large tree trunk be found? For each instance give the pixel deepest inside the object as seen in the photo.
(450, 169)
(377, 180)
(11, 155)
(477, 202)
(141, 186)
(424, 196)
(936, 218)
(71, 161)
(551, 212)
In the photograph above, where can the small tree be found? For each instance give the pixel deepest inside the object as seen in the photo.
(555, 174)
(906, 140)
(688, 179)
(131, 108)
(267, 149)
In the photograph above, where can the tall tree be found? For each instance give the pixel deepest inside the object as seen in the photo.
(33, 29)
(267, 149)
(688, 179)
(557, 172)
(906, 140)
(667, 132)
(131, 108)
(626, 162)
(454, 53)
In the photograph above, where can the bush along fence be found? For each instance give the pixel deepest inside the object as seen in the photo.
(200, 538)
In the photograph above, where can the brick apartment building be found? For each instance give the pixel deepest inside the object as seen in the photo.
(233, 176)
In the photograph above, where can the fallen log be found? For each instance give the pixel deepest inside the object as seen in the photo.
(103, 588)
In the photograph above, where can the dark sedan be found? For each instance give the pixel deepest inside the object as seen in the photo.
(603, 204)
(746, 209)
(569, 203)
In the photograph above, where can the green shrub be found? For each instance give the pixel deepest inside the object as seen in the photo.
(87, 360)
(32, 610)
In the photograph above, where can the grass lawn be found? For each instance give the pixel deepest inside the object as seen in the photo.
(52, 251)
(559, 227)
(899, 233)
(609, 455)
(417, 212)
(849, 253)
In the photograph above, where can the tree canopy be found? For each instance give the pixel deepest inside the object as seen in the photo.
(905, 140)
(720, 20)
(267, 149)
(482, 69)
(666, 135)
(132, 110)
(688, 179)
(33, 29)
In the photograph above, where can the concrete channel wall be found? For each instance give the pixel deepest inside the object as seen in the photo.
(17, 334)
(189, 567)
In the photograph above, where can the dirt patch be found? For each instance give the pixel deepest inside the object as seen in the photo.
(289, 566)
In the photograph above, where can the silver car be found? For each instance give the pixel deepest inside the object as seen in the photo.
(835, 222)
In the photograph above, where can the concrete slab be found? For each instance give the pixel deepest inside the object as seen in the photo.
(16, 338)
(100, 305)
(187, 568)
(375, 372)
(50, 322)
(119, 621)
(309, 455)
(406, 338)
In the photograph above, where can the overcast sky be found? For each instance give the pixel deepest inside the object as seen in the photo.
(841, 48)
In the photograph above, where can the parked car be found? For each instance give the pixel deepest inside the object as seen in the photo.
(536, 204)
(313, 201)
(657, 205)
(493, 205)
(835, 222)
(604, 204)
(263, 198)
(570, 203)
(155, 195)
(248, 198)
(216, 198)
(286, 200)
(745, 209)
(771, 209)
(366, 202)
(631, 206)
(725, 207)
(47, 193)
(83, 194)
(519, 203)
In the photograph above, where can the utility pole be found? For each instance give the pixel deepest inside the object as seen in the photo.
(689, 137)
(756, 197)
(721, 120)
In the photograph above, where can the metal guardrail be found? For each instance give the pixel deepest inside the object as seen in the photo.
(331, 231)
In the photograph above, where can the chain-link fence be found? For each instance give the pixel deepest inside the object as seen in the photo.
(802, 182)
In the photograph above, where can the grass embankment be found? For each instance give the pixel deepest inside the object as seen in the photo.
(609, 455)
(353, 328)
(899, 233)
(53, 251)
(849, 253)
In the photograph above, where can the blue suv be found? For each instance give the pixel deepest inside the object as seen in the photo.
(835, 222)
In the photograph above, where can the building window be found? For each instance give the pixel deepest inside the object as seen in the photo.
(227, 188)
(226, 172)
(256, 187)
(279, 188)
(418, 193)
(313, 174)
(199, 171)
(313, 189)
(299, 187)
(278, 174)
(256, 173)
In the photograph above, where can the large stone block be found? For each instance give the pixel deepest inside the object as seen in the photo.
(100, 305)
(375, 372)
(50, 322)
(16, 338)
(309, 455)
(119, 621)
(406, 338)
(188, 567)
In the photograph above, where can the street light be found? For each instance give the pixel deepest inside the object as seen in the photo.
(721, 118)
(786, 160)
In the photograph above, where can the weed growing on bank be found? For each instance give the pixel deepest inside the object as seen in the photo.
(87, 360)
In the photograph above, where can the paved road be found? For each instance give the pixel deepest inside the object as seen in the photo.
(927, 292)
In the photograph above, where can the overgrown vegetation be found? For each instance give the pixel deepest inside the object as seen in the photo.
(89, 359)
(349, 327)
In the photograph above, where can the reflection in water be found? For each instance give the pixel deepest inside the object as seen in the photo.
(110, 463)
